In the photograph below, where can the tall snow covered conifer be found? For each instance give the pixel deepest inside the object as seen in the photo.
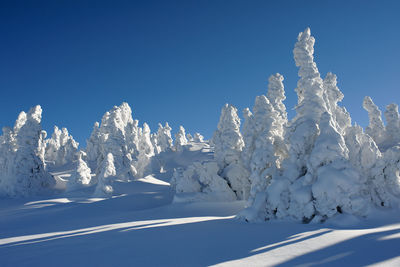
(264, 145)
(146, 151)
(332, 95)
(228, 144)
(290, 193)
(24, 173)
(375, 129)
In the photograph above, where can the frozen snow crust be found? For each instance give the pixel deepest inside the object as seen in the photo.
(308, 169)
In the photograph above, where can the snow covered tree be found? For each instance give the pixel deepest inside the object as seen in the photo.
(61, 148)
(93, 145)
(332, 95)
(107, 173)
(263, 158)
(198, 138)
(164, 139)
(180, 139)
(337, 186)
(227, 139)
(392, 128)
(154, 143)
(290, 194)
(24, 170)
(385, 182)
(117, 134)
(146, 151)
(276, 96)
(264, 144)
(81, 176)
(375, 129)
(248, 137)
(228, 144)
(303, 129)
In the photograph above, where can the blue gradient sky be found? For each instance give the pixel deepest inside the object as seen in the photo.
(180, 61)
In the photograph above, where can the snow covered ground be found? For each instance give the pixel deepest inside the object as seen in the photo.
(141, 227)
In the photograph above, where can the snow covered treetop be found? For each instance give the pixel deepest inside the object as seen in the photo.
(310, 86)
(117, 118)
(333, 92)
(227, 138)
(276, 94)
(31, 123)
(35, 113)
(276, 91)
(304, 48)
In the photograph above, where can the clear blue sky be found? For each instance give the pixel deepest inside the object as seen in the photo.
(180, 61)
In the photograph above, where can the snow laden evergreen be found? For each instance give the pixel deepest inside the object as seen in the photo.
(290, 193)
(180, 139)
(375, 129)
(61, 148)
(81, 176)
(332, 95)
(264, 145)
(105, 177)
(117, 134)
(228, 145)
(120, 135)
(164, 139)
(22, 157)
(145, 150)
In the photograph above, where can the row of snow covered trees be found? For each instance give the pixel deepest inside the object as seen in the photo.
(117, 148)
(309, 168)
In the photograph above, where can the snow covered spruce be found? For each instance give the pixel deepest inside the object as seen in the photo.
(309, 168)
(22, 152)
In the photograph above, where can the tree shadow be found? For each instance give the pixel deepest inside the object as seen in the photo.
(194, 241)
(363, 250)
(170, 242)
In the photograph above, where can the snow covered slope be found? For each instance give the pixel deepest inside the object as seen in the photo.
(140, 227)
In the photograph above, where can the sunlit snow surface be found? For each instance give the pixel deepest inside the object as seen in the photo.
(140, 227)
